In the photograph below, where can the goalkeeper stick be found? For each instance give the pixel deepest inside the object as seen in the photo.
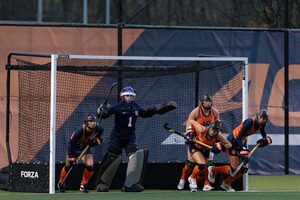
(242, 163)
(166, 126)
(106, 101)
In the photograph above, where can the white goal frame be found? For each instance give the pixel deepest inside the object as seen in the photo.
(54, 58)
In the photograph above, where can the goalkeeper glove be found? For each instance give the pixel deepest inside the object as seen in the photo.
(103, 109)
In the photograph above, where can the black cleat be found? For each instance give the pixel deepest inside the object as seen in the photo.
(102, 187)
(83, 188)
(61, 187)
(134, 188)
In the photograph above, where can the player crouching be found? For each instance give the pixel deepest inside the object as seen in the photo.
(86, 136)
(208, 136)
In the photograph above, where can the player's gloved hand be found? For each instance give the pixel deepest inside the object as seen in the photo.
(244, 158)
(189, 135)
(94, 142)
(103, 109)
(71, 160)
(244, 151)
(217, 148)
(264, 141)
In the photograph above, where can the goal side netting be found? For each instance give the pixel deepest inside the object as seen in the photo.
(56, 93)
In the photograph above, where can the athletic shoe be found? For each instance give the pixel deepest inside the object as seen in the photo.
(83, 188)
(211, 175)
(181, 184)
(227, 187)
(207, 187)
(61, 187)
(193, 184)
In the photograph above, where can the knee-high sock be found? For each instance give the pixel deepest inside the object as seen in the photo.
(206, 182)
(86, 176)
(63, 173)
(186, 171)
(229, 180)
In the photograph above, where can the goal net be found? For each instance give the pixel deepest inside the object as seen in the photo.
(55, 94)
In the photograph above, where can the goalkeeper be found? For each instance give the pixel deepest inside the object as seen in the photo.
(204, 114)
(211, 136)
(123, 137)
(238, 153)
(89, 133)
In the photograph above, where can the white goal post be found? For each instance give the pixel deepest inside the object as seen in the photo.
(54, 61)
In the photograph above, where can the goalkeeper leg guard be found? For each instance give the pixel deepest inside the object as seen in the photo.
(135, 171)
(107, 171)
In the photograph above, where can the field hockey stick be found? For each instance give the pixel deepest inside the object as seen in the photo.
(78, 159)
(106, 101)
(242, 163)
(166, 126)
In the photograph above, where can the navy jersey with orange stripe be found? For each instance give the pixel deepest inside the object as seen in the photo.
(245, 129)
(205, 120)
(82, 137)
(202, 138)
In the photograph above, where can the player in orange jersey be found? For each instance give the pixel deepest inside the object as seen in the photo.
(211, 136)
(237, 152)
(204, 114)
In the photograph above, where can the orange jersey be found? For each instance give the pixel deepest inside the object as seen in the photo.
(202, 138)
(205, 120)
(250, 131)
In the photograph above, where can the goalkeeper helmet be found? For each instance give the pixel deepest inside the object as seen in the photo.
(213, 129)
(206, 101)
(128, 94)
(88, 119)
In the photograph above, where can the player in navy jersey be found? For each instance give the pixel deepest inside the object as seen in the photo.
(123, 137)
(88, 134)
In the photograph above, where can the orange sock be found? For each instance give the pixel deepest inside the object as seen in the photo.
(86, 176)
(196, 173)
(221, 169)
(62, 174)
(206, 182)
(231, 179)
(187, 170)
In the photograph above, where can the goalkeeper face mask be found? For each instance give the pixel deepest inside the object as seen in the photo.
(128, 98)
(128, 94)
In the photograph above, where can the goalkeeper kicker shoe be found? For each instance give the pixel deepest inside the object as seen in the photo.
(211, 175)
(61, 187)
(134, 188)
(181, 184)
(83, 189)
(102, 187)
